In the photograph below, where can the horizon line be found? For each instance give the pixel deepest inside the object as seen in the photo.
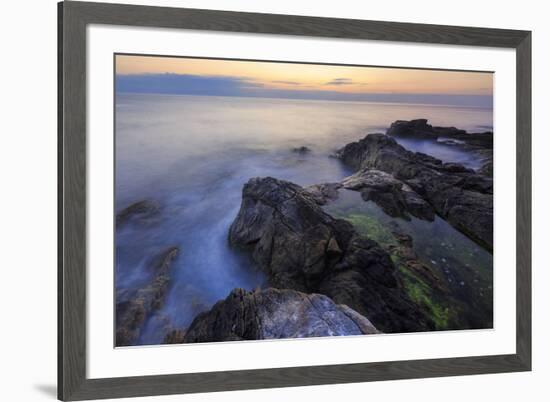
(322, 99)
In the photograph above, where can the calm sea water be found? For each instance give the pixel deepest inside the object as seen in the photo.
(193, 154)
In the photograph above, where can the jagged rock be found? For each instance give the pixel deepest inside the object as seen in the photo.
(459, 195)
(301, 247)
(142, 209)
(135, 306)
(275, 314)
(418, 128)
(288, 233)
(395, 197)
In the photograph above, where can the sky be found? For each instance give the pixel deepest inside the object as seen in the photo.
(215, 77)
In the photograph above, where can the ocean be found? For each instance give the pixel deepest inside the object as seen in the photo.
(193, 154)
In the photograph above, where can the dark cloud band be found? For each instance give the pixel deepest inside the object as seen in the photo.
(187, 84)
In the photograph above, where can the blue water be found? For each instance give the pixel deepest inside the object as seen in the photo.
(193, 154)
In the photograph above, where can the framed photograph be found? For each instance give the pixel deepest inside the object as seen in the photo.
(255, 201)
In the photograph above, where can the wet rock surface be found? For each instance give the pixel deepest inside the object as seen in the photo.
(395, 197)
(445, 296)
(323, 193)
(141, 210)
(443, 272)
(135, 306)
(418, 128)
(459, 195)
(301, 247)
(403, 250)
(275, 314)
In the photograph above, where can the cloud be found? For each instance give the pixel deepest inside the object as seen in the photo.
(184, 84)
(340, 81)
(286, 82)
(187, 84)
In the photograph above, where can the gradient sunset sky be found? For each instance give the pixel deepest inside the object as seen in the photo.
(188, 76)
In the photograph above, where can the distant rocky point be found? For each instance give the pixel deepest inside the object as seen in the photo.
(479, 143)
(420, 129)
(301, 150)
(459, 195)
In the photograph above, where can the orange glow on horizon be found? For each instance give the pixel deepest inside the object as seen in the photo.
(315, 77)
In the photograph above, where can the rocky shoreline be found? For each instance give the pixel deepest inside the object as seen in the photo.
(478, 143)
(459, 195)
(327, 276)
(301, 247)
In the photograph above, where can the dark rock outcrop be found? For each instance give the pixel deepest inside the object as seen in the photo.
(420, 129)
(142, 209)
(303, 150)
(135, 306)
(461, 196)
(275, 314)
(475, 140)
(301, 247)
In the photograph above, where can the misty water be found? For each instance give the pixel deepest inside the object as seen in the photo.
(193, 154)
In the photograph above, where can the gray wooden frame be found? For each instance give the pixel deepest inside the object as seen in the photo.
(73, 18)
